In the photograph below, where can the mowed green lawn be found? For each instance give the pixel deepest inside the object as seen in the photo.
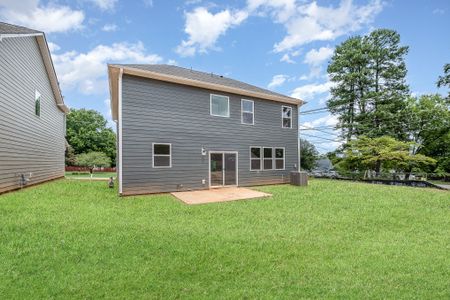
(76, 175)
(333, 239)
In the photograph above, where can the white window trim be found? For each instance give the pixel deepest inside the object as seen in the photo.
(275, 158)
(264, 159)
(210, 105)
(37, 96)
(282, 124)
(169, 155)
(252, 112)
(260, 158)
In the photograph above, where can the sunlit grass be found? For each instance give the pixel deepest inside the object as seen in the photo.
(77, 239)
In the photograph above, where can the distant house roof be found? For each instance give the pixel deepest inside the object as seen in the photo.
(6, 28)
(323, 164)
(14, 31)
(175, 74)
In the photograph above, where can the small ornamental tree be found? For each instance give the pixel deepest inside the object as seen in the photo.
(384, 153)
(93, 159)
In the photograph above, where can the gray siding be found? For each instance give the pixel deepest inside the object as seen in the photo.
(28, 144)
(161, 112)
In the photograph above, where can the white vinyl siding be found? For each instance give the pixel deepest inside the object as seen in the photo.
(247, 112)
(219, 106)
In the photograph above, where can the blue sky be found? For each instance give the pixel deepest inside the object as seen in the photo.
(283, 45)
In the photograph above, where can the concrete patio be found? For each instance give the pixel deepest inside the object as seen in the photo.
(218, 195)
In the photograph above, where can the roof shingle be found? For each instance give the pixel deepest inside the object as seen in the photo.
(6, 28)
(199, 76)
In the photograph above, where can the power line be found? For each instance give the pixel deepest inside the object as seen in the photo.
(319, 137)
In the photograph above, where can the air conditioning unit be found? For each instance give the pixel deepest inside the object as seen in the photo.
(299, 178)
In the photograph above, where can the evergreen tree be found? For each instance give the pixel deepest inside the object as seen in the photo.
(369, 75)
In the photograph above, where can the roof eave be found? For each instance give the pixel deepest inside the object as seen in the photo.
(49, 67)
(201, 84)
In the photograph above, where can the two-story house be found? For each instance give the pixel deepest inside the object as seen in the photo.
(32, 110)
(180, 129)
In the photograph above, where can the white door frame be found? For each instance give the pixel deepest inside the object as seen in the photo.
(223, 168)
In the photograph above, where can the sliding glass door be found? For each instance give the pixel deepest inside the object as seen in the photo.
(223, 169)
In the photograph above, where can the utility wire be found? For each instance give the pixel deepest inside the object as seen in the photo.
(319, 137)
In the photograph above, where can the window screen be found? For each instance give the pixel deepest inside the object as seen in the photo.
(220, 106)
(162, 155)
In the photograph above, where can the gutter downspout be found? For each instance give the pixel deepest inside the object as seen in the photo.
(120, 128)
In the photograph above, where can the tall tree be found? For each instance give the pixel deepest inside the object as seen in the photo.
(444, 80)
(308, 155)
(388, 88)
(348, 70)
(87, 131)
(369, 85)
(428, 125)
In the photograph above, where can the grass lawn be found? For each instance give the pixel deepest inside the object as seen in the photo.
(333, 239)
(87, 174)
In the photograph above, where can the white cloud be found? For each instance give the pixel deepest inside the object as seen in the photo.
(148, 3)
(316, 57)
(280, 10)
(204, 28)
(304, 23)
(53, 47)
(109, 27)
(309, 91)
(314, 72)
(332, 134)
(328, 120)
(287, 57)
(172, 62)
(311, 22)
(48, 18)
(104, 4)
(438, 11)
(108, 114)
(86, 72)
(277, 80)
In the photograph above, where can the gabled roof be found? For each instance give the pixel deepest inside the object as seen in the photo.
(14, 31)
(179, 75)
(6, 28)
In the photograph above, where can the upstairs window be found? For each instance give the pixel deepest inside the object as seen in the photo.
(162, 155)
(268, 159)
(286, 116)
(255, 158)
(219, 106)
(37, 103)
(247, 112)
(279, 158)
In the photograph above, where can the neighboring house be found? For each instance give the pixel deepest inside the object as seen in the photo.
(32, 111)
(180, 129)
(323, 165)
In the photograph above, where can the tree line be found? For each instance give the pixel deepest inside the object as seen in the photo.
(91, 142)
(383, 126)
